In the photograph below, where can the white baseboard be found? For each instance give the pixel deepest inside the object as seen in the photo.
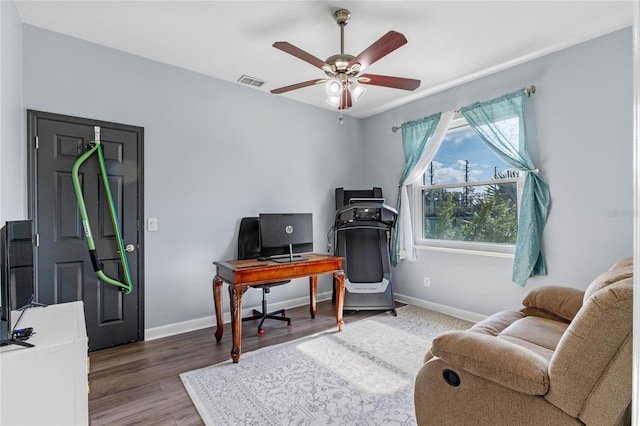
(179, 327)
(443, 309)
(210, 321)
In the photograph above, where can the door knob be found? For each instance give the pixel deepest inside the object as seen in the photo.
(128, 248)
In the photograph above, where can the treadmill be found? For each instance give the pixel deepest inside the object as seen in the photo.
(362, 235)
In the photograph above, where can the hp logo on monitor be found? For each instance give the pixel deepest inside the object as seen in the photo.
(288, 229)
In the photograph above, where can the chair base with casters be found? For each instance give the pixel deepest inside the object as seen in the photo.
(279, 315)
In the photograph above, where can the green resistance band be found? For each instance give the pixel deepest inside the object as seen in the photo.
(97, 265)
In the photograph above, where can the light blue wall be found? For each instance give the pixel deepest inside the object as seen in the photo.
(13, 152)
(214, 152)
(580, 132)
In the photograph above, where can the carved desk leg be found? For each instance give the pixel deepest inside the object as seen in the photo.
(339, 298)
(235, 304)
(313, 291)
(217, 302)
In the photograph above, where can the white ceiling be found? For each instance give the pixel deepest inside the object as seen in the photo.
(449, 42)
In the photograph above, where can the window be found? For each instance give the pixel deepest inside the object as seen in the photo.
(468, 197)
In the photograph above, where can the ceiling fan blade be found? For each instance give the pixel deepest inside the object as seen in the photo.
(345, 100)
(297, 86)
(300, 54)
(388, 81)
(385, 45)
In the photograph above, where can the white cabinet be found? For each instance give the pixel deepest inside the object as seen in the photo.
(47, 384)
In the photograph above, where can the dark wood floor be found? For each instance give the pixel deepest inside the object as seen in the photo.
(139, 383)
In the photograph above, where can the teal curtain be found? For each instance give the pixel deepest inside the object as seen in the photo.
(501, 126)
(415, 136)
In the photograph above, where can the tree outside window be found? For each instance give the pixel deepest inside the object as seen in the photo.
(468, 194)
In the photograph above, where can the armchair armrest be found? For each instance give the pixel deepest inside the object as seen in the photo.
(564, 302)
(494, 359)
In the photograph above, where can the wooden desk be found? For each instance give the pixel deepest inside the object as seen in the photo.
(242, 274)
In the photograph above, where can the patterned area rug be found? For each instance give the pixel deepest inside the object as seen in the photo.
(363, 375)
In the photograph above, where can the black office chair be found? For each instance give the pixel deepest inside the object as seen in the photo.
(249, 248)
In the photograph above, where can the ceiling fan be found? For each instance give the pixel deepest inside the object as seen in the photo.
(344, 85)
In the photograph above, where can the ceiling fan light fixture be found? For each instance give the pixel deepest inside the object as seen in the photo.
(334, 101)
(357, 90)
(333, 87)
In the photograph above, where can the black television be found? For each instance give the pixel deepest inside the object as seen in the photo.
(285, 236)
(16, 274)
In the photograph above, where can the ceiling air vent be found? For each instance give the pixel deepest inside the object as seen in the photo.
(251, 81)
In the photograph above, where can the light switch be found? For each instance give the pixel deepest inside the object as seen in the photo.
(152, 224)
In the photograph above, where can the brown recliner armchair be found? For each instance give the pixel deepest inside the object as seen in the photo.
(563, 359)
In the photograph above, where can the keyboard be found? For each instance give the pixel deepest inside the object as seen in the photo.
(289, 259)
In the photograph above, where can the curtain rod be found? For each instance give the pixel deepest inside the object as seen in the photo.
(528, 91)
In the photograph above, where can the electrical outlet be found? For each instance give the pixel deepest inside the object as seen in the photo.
(427, 282)
(152, 224)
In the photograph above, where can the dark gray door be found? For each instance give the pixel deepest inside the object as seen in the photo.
(64, 271)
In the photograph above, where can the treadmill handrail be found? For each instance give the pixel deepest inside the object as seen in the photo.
(367, 205)
(341, 227)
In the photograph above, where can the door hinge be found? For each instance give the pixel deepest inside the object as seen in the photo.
(37, 142)
(37, 240)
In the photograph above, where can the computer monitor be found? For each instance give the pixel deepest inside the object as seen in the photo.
(17, 275)
(283, 235)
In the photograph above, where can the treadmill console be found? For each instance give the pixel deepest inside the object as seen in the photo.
(366, 209)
